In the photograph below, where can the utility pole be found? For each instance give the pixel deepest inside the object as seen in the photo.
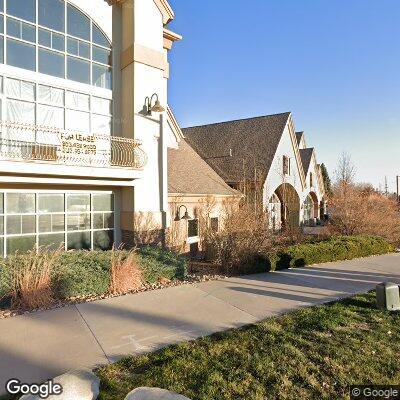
(386, 187)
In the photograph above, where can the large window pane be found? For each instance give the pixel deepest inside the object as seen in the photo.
(101, 55)
(77, 101)
(102, 76)
(20, 89)
(21, 55)
(50, 203)
(21, 112)
(25, 9)
(50, 117)
(78, 70)
(78, 24)
(103, 240)
(51, 13)
(1, 5)
(77, 120)
(101, 106)
(52, 242)
(51, 63)
(20, 203)
(103, 202)
(21, 30)
(78, 241)
(101, 124)
(1, 225)
(1, 203)
(99, 37)
(50, 95)
(78, 202)
(20, 244)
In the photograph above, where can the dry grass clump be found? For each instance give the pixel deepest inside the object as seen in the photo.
(358, 210)
(31, 278)
(126, 273)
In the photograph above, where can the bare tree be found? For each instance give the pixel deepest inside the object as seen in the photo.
(345, 171)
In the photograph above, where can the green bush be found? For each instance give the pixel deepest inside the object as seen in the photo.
(337, 248)
(82, 273)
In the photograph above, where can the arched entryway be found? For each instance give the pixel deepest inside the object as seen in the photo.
(311, 210)
(289, 202)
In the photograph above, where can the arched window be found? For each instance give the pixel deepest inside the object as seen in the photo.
(55, 38)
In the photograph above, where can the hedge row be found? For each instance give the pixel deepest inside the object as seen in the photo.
(80, 273)
(336, 248)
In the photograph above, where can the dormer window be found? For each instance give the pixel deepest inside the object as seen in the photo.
(286, 165)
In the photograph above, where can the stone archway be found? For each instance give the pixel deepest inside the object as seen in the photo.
(290, 205)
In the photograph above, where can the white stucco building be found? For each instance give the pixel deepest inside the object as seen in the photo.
(269, 162)
(81, 151)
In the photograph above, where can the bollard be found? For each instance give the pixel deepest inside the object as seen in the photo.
(388, 296)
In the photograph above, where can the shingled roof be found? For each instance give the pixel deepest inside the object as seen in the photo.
(253, 142)
(299, 136)
(306, 156)
(188, 173)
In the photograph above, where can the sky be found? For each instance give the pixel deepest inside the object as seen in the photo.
(335, 64)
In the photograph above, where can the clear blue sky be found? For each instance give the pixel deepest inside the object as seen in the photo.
(335, 64)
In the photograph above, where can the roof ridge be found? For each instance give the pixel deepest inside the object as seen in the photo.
(237, 120)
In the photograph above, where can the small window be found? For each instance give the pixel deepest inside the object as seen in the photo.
(311, 179)
(52, 14)
(50, 95)
(286, 165)
(21, 55)
(78, 24)
(1, 24)
(193, 228)
(214, 224)
(78, 202)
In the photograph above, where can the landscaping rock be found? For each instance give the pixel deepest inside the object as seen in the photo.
(145, 393)
(82, 385)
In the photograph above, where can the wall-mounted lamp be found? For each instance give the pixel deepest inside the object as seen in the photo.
(157, 107)
(178, 214)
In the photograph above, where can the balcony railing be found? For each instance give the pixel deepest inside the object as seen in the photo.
(25, 142)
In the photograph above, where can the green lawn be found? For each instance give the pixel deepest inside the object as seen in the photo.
(313, 353)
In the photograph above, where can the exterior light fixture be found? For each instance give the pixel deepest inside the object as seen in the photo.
(185, 215)
(157, 107)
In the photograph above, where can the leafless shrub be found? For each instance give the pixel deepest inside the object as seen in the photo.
(31, 278)
(362, 210)
(244, 237)
(126, 274)
(147, 230)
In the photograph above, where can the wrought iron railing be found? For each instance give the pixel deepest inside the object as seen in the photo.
(37, 143)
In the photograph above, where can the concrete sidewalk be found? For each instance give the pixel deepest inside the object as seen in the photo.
(38, 346)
